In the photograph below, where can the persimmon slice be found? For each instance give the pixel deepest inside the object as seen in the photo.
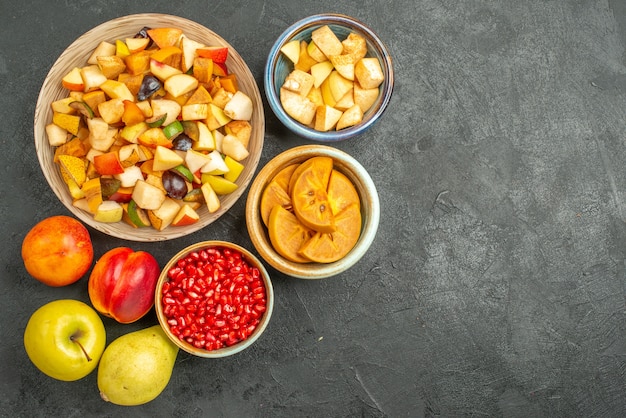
(309, 195)
(287, 234)
(330, 247)
(273, 194)
(284, 175)
(341, 192)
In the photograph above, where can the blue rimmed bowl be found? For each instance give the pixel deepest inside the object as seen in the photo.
(278, 67)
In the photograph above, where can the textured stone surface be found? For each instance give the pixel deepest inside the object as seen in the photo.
(496, 283)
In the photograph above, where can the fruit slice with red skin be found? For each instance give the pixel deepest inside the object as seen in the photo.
(309, 195)
(122, 284)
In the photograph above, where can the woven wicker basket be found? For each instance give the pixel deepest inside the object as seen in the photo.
(76, 55)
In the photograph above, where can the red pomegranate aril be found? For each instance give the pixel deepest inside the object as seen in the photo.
(214, 298)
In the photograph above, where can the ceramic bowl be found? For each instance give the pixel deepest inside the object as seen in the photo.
(76, 55)
(228, 306)
(278, 66)
(370, 211)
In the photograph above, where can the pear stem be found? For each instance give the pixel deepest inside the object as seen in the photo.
(74, 340)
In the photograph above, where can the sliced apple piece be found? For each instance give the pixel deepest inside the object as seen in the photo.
(292, 50)
(162, 71)
(219, 184)
(327, 41)
(163, 216)
(154, 137)
(104, 49)
(355, 45)
(219, 54)
(108, 163)
(205, 140)
(73, 80)
(136, 44)
(298, 107)
(186, 216)
(130, 176)
(241, 129)
(215, 164)
(210, 197)
(365, 98)
(344, 64)
(235, 168)
(326, 117)
(339, 85)
(239, 107)
(189, 47)
(165, 158)
(92, 77)
(148, 196)
(315, 53)
(135, 216)
(299, 82)
(166, 107)
(232, 147)
(305, 61)
(217, 118)
(131, 132)
(352, 116)
(195, 160)
(111, 111)
(111, 66)
(108, 211)
(57, 136)
(369, 72)
(195, 111)
(346, 102)
(117, 90)
(320, 72)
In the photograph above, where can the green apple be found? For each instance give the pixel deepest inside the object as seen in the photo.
(65, 339)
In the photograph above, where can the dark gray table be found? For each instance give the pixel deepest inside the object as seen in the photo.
(496, 283)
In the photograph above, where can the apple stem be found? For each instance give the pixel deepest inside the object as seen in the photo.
(74, 340)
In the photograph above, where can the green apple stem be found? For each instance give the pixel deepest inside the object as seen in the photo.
(74, 340)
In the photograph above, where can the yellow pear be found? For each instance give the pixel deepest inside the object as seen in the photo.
(136, 367)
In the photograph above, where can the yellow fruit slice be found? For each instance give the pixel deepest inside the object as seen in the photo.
(308, 194)
(274, 194)
(330, 247)
(287, 234)
(341, 192)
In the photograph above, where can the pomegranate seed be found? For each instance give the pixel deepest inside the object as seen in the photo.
(214, 298)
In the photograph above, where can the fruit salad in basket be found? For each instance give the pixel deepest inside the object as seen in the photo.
(153, 127)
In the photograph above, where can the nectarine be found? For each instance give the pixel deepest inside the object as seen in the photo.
(57, 251)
